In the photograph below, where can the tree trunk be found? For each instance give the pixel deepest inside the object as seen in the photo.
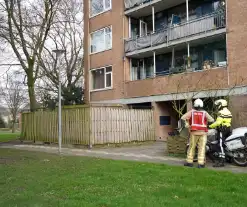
(31, 91)
(13, 126)
(32, 98)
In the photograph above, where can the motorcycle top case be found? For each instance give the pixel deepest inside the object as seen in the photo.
(237, 140)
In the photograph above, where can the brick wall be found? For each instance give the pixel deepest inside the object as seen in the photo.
(212, 79)
(164, 109)
(237, 41)
(238, 107)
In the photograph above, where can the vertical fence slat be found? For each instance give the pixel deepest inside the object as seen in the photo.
(80, 120)
(115, 139)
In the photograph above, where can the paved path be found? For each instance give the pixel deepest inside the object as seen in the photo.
(153, 153)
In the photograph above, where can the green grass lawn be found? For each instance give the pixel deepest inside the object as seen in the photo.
(36, 179)
(7, 136)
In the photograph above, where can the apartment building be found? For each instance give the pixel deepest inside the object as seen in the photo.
(154, 53)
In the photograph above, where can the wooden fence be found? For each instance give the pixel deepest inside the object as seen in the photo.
(90, 126)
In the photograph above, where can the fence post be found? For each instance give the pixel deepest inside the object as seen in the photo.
(89, 115)
(21, 126)
(33, 131)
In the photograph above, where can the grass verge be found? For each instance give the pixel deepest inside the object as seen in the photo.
(38, 179)
(6, 137)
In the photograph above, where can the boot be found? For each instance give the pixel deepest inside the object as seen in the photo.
(221, 163)
(201, 166)
(188, 164)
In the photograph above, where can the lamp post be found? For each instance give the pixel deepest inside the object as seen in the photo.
(58, 56)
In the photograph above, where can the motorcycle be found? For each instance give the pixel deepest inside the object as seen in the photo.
(235, 145)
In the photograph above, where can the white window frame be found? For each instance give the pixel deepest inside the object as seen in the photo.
(105, 9)
(145, 28)
(105, 73)
(90, 49)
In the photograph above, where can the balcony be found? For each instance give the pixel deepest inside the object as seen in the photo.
(207, 26)
(203, 56)
(138, 8)
(134, 3)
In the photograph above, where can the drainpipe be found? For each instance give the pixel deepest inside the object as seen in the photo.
(153, 18)
(131, 70)
(129, 27)
(187, 10)
(187, 15)
(124, 57)
(227, 65)
(173, 54)
(154, 63)
(140, 27)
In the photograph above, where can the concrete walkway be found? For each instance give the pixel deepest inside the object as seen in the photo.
(154, 153)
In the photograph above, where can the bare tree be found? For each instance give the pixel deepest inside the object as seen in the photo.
(67, 34)
(185, 94)
(25, 28)
(14, 96)
(188, 94)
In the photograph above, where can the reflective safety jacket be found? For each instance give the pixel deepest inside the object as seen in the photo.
(198, 121)
(224, 119)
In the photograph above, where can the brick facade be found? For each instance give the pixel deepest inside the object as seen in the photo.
(234, 75)
(114, 57)
(237, 41)
(123, 88)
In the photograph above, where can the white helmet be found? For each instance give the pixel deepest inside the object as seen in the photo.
(221, 103)
(198, 103)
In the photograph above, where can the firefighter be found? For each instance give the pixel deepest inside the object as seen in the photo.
(223, 126)
(196, 120)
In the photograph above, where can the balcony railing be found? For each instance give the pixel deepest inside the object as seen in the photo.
(133, 3)
(180, 69)
(197, 26)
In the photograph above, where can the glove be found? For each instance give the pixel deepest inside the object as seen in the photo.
(187, 125)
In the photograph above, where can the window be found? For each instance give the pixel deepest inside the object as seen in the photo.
(149, 67)
(142, 68)
(135, 28)
(99, 6)
(101, 40)
(101, 78)
(165, 120)
(108, 77)
(163, 64)
(161, 20)
(138, 70)
(135, 70)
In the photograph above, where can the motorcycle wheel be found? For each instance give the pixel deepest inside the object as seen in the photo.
(241, 161)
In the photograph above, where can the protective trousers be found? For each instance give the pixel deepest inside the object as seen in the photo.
(200, 141)
(221, 150)
(222, 135)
